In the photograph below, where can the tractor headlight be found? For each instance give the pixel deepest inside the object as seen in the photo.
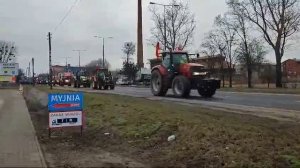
(199, 73)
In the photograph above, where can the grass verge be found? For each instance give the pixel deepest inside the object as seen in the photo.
(140, 128)
(263, 90)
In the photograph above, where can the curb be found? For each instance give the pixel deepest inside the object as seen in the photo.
(42, 159)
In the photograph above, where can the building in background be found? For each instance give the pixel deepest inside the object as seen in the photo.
(291, 70)
(261, 73)
(216, 64)
(59, 69)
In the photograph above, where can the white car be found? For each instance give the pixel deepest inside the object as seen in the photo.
(122, 82)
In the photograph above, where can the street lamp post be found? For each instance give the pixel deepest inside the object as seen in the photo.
(103, 47)
(165, 26)
(79, 51)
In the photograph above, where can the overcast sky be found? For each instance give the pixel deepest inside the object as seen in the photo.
(26, 22)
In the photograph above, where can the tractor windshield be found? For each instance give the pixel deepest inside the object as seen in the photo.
(82, 73)
(180, 58)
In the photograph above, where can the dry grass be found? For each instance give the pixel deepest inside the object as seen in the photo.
(204, 138)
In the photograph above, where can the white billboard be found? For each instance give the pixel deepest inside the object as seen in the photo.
(9, 69)
(65, 119)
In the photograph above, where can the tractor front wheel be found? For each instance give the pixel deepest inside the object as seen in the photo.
(75, 85)
(206, 91)
(100, 87)
(181, 86)
(95, 86)
(159, 85)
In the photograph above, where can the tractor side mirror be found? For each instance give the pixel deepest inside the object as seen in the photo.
(198, 55)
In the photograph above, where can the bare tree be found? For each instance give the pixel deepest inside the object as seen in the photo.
(128, 49)
(8, 51)
(268, 74)
(250, 51)
(277, 20)
(212, 46)
(210, 50)
(180, 25)
(129, 68)
(227, 35)
(252, 57)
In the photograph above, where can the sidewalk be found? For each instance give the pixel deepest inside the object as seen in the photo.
(19, 146)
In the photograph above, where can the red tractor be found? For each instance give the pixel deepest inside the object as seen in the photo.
(174, 70)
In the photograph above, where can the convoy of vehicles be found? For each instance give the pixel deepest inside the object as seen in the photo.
(171, 70)
(174, 70)
(102, 79)
(42, 79)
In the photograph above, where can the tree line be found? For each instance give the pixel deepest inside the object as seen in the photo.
(241, 35)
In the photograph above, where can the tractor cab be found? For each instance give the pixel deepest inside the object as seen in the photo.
(104, 73)
(173, 60)
(178, 62)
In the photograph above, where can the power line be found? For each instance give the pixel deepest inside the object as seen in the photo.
(67, 14)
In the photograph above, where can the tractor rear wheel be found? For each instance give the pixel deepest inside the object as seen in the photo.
(95, 86)
(75, 85)
(207, 92)
(181, 86)
(100, 87)
(158, 84)
(112, 87)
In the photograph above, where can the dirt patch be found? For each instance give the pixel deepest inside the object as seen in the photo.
(138, 130)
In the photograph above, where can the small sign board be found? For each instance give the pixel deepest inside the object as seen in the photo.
(10, 69)
(65, 110)
(65, 102)
(6, 78)
(65, 119)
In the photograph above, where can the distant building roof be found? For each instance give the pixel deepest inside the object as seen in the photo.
(296, 60)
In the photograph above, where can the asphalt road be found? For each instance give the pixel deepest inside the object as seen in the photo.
(264, 100)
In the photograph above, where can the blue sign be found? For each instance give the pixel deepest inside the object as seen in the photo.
(65, 102)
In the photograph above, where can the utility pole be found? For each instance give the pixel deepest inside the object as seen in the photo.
(140, 57)
(29, 69)
(32, 62)
(50, 66)
(103, 61)
(103, 46)
(79, 51)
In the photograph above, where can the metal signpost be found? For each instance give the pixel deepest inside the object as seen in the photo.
(65, 110)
